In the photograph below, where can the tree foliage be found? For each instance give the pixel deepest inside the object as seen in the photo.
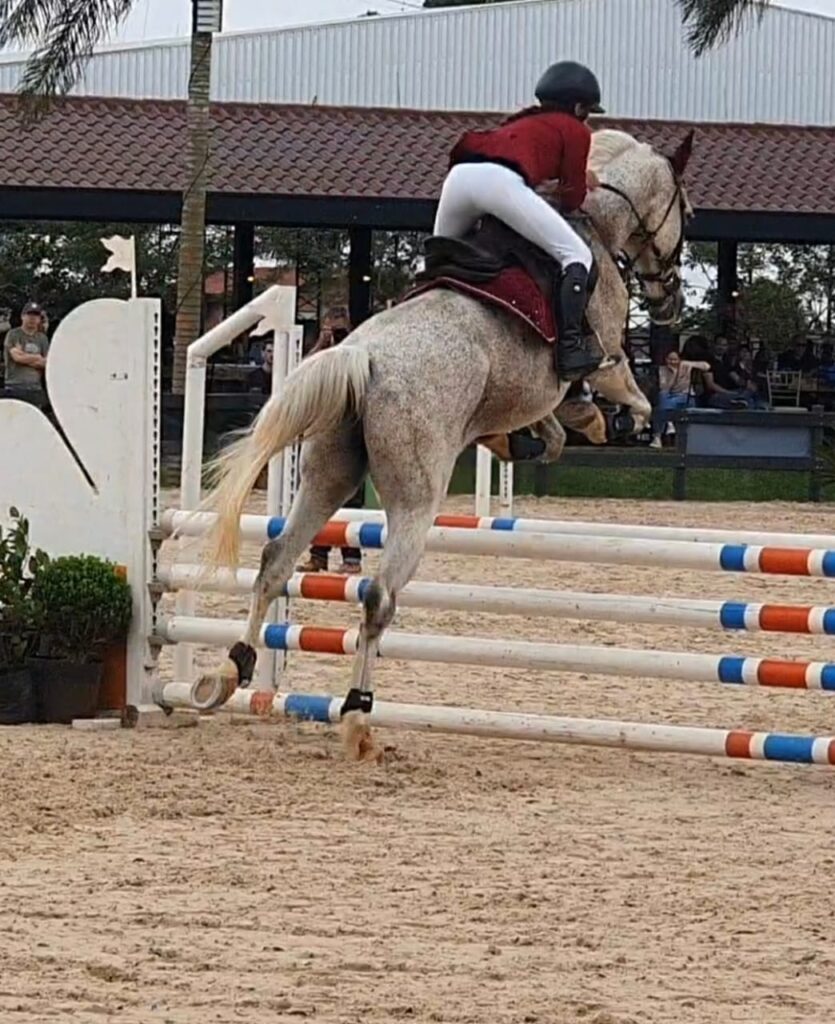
(59, 264)
(322, 258)
(62, 35)
(783, 290)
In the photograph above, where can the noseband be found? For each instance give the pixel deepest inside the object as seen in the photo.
(667, 273)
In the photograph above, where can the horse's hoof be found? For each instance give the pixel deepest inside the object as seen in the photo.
(215, 688)
(357, 738)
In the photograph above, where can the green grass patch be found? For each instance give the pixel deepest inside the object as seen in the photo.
(643, 484)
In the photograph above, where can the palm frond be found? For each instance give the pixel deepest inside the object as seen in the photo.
(24, 21)
(710, 22)
(64, 33)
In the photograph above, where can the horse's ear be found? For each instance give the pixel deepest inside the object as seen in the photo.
(680, 158)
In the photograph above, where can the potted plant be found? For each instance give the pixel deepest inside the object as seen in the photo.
(19, 620)
(83, 606)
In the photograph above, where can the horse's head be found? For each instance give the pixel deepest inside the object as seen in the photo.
(644, 210)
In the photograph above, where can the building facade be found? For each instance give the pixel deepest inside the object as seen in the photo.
(777, 71)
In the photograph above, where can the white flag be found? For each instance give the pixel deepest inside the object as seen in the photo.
(122, 257)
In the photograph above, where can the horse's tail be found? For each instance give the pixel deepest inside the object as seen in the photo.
(316, 397)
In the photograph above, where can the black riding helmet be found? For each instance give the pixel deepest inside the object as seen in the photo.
(566, 83)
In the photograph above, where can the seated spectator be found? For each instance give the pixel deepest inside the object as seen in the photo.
(810, 362)
(722, 381)
(744, 377)
(763, 361)
(801, 356)
(696, 349)
(335, 328)
(261, 378)
(24, 352)
(674, 390)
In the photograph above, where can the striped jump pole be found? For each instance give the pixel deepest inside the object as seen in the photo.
(454, 650)
(733, 743)
(637, 531)
(666, 611)
(670, 554)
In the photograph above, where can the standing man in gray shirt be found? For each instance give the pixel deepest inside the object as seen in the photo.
(24, 351)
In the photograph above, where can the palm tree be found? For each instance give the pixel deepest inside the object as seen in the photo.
(63, 35)
(711, 22)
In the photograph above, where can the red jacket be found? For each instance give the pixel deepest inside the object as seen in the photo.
(539, 146)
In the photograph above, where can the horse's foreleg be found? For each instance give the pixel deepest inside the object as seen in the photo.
(585, 417)
(618, 385)
(550, 431)
(405, 544)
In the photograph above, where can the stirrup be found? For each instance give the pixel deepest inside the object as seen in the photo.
(591, 358)
(606, 361)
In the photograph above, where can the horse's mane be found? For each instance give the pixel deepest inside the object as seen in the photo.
(608, 145)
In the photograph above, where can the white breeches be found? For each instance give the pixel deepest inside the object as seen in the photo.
(473, 190)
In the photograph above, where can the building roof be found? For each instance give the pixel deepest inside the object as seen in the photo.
(130, 145)
(777, 70)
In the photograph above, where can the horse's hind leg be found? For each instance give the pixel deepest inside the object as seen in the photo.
(331, 471)
(405, 544)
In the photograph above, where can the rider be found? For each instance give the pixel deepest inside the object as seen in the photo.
(496, 172)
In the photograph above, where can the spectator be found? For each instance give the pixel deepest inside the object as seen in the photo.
(801, 356)
(826, 370)
(674, 390)
(721, 386)
(696, 349)
(809, 362)
(335, 329)
(24, 351)
(261, 378)
(763, 360)
(744, 377)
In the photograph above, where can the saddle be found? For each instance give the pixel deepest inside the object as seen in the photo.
(500, 267)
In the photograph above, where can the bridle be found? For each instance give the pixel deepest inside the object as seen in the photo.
(667, 274)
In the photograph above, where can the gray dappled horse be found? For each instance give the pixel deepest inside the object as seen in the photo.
(413, 386)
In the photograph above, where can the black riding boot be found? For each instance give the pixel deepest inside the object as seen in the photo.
(577, 354)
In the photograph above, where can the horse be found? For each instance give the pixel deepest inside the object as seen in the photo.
(410, 388)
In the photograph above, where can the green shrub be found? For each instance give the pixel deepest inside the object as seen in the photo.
(84, 605)
(19, 615)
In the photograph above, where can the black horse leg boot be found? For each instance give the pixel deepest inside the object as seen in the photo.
(577, 354)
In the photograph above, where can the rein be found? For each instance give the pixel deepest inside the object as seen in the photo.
(666, 275)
